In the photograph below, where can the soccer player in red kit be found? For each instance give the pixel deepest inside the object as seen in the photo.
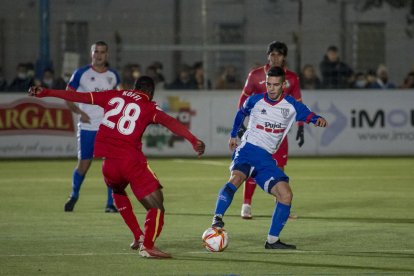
(256, 84)
(127, 113)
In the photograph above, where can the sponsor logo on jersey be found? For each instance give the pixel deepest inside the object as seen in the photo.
(32, 116)
(271, 127)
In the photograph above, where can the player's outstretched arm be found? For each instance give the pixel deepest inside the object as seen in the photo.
(41, 92)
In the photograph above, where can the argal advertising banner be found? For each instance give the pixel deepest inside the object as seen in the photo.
(31, 127)
(367, 122)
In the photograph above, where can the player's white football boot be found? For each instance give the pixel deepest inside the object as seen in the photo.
(136, 244)
(246, 211)
(153, 253)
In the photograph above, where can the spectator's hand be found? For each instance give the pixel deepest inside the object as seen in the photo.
(84, 118)
(321, 122)
(36, 91)
(199, 147)
(241, 131)
(300, 135)
(232, 144)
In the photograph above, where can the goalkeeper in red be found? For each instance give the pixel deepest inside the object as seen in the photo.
(256, 84)
(127, 113)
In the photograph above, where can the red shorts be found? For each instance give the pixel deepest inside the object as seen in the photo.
(118, 173)
(281, 155)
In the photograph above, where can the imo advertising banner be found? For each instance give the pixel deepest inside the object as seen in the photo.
(369, 122)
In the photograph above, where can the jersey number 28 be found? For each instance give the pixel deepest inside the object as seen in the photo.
(130, 114)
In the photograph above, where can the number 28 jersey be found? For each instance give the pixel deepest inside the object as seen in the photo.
(126, 116)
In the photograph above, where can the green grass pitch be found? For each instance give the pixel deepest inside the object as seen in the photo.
(355, 217)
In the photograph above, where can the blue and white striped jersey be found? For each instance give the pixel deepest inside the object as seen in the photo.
(270, 121)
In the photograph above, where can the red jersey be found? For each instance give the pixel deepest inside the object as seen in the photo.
(127, 113)
(256, 84)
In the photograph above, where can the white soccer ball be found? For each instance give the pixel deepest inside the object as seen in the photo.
(215, 239)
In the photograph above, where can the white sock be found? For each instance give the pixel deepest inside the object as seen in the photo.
(272, 239)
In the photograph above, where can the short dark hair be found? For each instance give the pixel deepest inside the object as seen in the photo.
(146, 85)
(332, 48)
(278, 47)
(100, 43)
(276, 71)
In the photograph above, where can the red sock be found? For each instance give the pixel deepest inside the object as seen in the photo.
(249, 188)
(153, 226)
(124, 206)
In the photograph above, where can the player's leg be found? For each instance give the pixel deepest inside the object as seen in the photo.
(281, 157)
(86, 140)
(154, 223)
(147, 189)
(274, 181)
(226, 194)
(240, 169)
(112, 171)
(126, 211)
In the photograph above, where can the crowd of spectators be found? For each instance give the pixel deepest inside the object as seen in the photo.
(334, 74)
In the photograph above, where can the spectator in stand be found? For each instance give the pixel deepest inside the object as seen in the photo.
(22, 82)
(184, 79)
(335, 73)
(49, 80)
(308, 78)
(382, 81)
(408, 81)
(151, 71)
(229, 79)
(159, 67)
(3, 81)
(199, 76)
(360, 81)
(371, 77)
(129, 74)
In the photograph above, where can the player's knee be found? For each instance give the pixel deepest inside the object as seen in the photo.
(237, 179)
(286, 197)
(118, 191)
(282, 192)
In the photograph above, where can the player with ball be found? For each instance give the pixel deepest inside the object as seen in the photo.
(271, 117)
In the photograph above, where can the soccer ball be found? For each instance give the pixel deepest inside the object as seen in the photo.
(215, 240)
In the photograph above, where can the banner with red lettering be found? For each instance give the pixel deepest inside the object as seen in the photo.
(31, 127)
